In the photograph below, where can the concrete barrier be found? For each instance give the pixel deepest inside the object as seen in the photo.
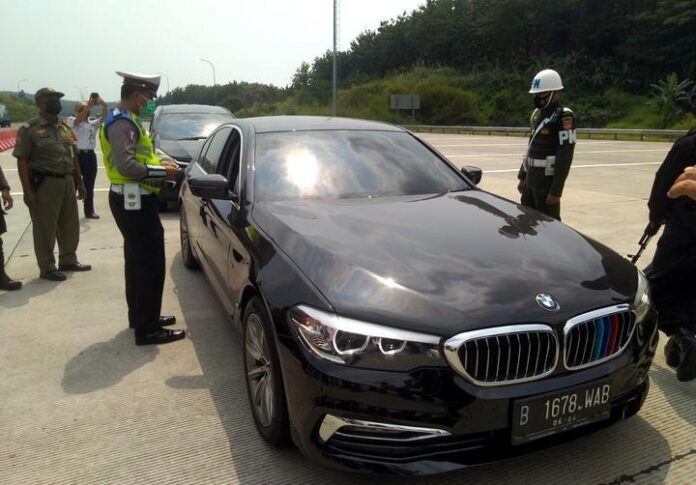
(8, 138)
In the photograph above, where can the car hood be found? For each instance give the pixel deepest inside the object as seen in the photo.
(445, 264)
(182, 150)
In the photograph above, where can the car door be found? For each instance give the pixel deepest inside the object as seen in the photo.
(225, 225)
(211, 245)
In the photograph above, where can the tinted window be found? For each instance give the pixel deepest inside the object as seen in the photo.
(209, 161)
(343, 164)
(176, 126)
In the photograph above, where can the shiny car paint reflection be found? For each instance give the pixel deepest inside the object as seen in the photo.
(436, 258)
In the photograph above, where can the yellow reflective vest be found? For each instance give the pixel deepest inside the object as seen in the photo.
(144, 150)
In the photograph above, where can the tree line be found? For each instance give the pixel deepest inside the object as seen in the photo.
(482, 54)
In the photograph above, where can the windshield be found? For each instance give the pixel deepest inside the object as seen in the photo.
(347, 164)
(175, 126)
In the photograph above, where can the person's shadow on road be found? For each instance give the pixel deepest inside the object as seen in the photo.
(104, 364)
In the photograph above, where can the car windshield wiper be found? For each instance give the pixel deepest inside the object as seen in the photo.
(191, 138)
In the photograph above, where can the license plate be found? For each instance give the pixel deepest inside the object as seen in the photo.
(560, 411)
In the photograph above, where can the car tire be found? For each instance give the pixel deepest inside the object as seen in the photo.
(264, 381)
(187, 255)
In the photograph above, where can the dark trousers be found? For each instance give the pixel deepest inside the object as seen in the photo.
(536, 199)
(143, 249)
(88, 167)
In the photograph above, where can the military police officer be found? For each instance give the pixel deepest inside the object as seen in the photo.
(136, 175)
(546, 164)
(672, 274)
(50, 175)
(6, 283)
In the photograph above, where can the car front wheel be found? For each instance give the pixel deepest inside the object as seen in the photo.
(187, 256)
(264, 380)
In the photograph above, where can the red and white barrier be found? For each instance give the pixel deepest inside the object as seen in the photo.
(8, 138)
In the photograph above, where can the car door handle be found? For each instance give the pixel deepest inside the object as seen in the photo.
(237, 256)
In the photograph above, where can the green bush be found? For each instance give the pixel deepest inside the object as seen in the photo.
(446, 105)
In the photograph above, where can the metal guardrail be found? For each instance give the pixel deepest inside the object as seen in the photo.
(507, 130)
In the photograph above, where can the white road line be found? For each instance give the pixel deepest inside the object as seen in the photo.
(583, 152)
(594, 165)
(506, 170)
(14, 169)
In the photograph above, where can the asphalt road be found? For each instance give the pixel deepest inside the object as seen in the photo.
(79, 403)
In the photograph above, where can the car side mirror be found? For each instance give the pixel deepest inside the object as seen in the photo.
(472, 173)
(210, 186)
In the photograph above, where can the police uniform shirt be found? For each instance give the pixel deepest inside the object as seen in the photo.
(555, 138)
(85, 132)
(123, 137)
(47, 145)
(681, 155)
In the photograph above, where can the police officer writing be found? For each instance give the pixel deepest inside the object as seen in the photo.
(85, 128)
(6, 283)
(50, 175)
(546, 164)
(672, 273)
(136, 175)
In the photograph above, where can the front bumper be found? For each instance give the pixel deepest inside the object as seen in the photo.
(432, 420)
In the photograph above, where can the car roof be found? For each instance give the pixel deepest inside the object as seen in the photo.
(268, 124)
(191, 108)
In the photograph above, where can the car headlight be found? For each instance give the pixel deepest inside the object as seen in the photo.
(641, 302)
(361, 344)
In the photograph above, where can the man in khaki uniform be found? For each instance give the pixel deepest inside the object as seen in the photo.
(50, 175)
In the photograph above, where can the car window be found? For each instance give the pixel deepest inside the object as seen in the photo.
(210, 159)
(347, 164)
(230, 167)
(178, 126)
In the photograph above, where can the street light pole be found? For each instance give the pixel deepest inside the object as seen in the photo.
(20, 82)
(166, 78)
(214, 81)
(333, 104)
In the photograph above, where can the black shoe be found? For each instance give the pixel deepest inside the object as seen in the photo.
(166, 320)
(687, 362)
(672, 353)
(75, 267)
(8, 284)
(161, 336)
(92, 216)
(53, 275)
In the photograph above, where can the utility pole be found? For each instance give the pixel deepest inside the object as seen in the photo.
(335, 42)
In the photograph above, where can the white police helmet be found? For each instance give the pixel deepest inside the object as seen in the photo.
(546, 80)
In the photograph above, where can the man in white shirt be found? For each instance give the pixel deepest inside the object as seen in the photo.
(86, 128)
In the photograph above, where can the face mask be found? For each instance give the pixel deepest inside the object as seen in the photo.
(53, 107)
(541, 102)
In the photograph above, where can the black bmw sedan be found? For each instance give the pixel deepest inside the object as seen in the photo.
(394, 317)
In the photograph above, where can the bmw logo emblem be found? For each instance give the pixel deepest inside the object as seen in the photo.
(547, 302)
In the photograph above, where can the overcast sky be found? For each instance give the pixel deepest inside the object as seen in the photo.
(73, 44)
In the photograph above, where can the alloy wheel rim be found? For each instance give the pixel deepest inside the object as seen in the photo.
(259, 370)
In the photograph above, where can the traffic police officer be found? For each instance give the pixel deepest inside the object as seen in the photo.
(136, 175)
(672, 273)
(546, 164)
(50, 175)
(6, 283)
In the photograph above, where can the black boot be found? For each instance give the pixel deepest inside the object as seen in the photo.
(686, 371)
(672, 353)
(6, 283)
